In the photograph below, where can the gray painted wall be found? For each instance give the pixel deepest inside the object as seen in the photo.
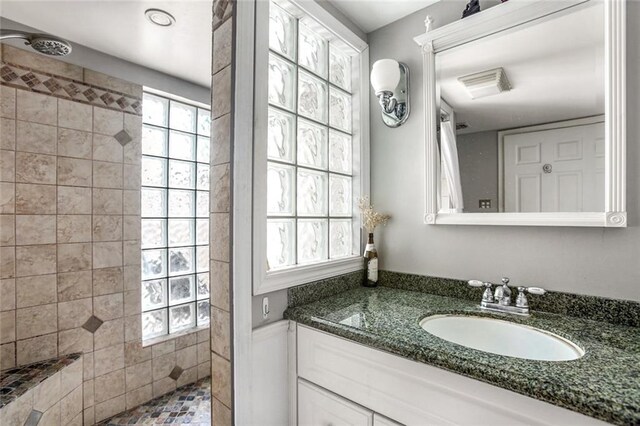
(478, 158)
(116, 67)
(602, 262)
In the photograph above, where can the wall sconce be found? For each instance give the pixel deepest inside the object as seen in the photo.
(390, 82)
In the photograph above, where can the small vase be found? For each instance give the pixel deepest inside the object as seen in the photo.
(370, 263)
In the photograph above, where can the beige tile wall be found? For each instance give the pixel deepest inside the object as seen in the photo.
(70, 244)
(221, 362)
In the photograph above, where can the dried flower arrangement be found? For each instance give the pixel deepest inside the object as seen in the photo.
(370, 217)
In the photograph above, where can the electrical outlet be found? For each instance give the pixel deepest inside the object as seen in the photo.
(484, 204)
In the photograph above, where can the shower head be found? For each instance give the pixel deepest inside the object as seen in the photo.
(42, 43)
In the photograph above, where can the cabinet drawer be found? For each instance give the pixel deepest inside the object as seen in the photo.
(318, 407)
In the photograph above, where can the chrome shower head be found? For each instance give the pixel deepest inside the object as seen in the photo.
(42, 43)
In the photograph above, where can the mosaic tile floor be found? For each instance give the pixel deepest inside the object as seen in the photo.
(190, 404)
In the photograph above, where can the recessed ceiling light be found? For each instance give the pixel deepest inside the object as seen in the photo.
(160, 17)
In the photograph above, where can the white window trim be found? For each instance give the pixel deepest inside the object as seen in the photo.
(267, 281)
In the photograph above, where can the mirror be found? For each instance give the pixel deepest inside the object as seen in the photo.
(523, 130)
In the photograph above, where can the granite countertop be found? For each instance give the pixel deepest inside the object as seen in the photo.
(604, 383)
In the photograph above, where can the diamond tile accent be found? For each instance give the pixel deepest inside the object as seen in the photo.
(34, 418)
(23, 77)
(92, 324)
(31, 79)
(123, 137)
(52, 85)
(176, 372)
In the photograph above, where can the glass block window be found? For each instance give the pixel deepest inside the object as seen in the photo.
(175, 216)
(309, 143)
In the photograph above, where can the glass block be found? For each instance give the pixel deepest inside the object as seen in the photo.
(204, 150)
(312, 144)
(280, 243)
(313, 50)
(340, 234)
(339, 110)
(312, 193)
(154, 141)
(281, 136)
(155, 110)
(340, 152)
(202, 258)
(182, 174)
(182, 289)
(154, 294)
(339, 68)
(203, 313)
(202, 231)
(181, 232)
(154, 264)
(312, 240)
(280, 190)
(154, 323)
(154, 171)
(181, 261)
(202, 209)
(282, 31)
(153, 202)
(204, 122)
(182, 317)
(282, 88)
(182, 145)
(312, 97)
(182, 117)
(339, 195)
(181, 203)
(153, 232)
(203, 177)
(202, 286)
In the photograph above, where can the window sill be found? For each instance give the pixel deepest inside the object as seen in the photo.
(304, 274)
(161, 339)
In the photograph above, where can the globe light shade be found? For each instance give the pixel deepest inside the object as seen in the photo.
(385, 75)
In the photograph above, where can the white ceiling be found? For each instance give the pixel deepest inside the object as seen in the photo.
(370, 15)
(119, 28)
(556, 69)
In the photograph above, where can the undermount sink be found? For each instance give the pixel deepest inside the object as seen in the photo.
(502, 337)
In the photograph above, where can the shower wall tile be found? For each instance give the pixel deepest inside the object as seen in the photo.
(37, 138)
(7, 102)
(217, 347)
(33, 60)
(36, 107)
(70, 238)
(74, 115)
(35, 168)
(7, 132)
(74, 143)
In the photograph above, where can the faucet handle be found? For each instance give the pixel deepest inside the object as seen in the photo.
(521, 300)
(475, 283)
(487, 296)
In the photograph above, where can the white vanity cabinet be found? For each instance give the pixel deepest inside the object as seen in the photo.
(340, 382)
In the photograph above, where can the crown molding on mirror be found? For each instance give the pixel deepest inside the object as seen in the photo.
(503, 17)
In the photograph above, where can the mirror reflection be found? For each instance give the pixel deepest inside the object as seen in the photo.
(522, 124)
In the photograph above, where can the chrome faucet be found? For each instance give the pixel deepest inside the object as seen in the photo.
(500, 300)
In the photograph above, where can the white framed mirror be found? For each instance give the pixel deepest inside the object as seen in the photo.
(525, 116)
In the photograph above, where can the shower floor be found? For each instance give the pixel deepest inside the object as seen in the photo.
(190, 404)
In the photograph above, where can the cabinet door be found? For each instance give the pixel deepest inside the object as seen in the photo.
(379, 420)
(318, 407)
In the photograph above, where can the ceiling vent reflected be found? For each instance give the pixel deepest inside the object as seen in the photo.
(486, 83)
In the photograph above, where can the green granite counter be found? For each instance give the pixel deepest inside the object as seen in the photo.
(604, 384)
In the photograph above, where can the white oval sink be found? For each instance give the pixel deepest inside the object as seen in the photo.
(502, 337)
